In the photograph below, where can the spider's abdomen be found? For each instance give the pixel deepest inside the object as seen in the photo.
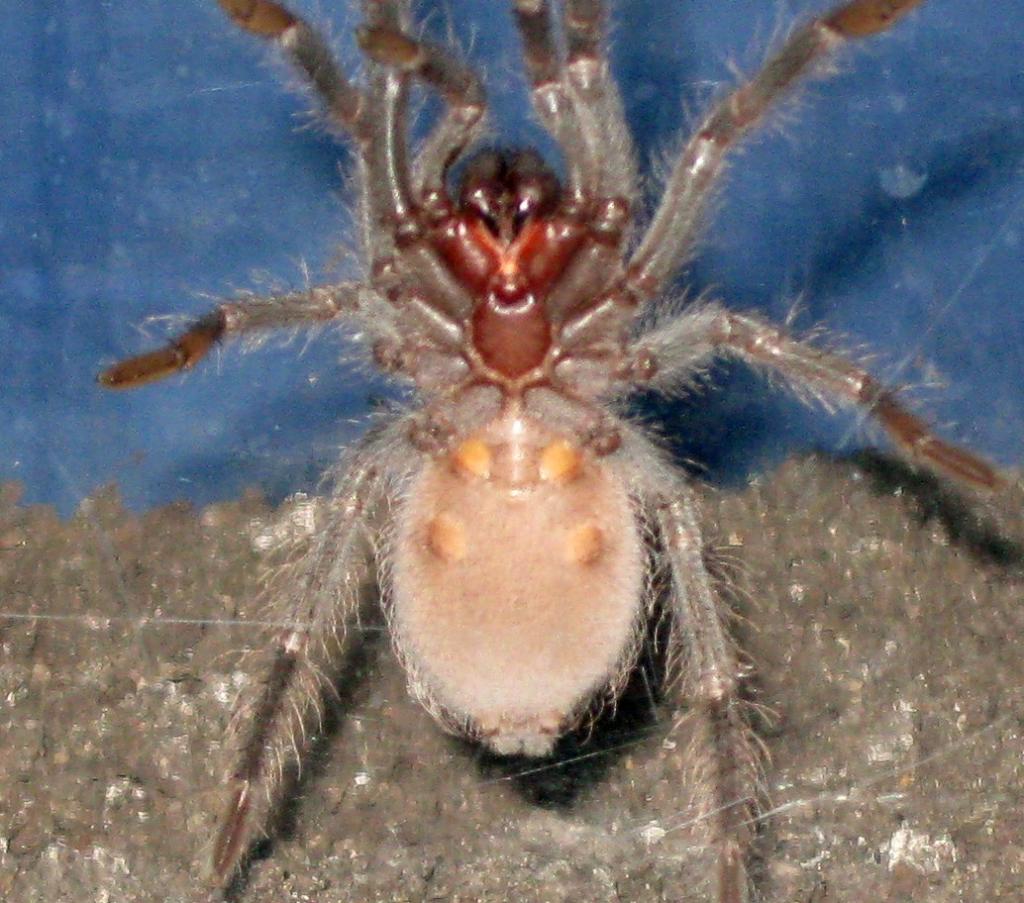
(517, 584)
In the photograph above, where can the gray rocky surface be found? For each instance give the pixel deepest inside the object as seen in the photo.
(882, 609)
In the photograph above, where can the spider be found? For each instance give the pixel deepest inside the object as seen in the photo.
(516, 515)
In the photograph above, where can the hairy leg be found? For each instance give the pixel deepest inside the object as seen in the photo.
(374, 116)
(603, 126)
(234, 318)
(384, 168)
(551, 101)
(726, 762)
(670, 236)
(308, 52)
(316, 591)
(455, 81)
(674, 353)
(388, 217)
(577, 101)
(576, 98)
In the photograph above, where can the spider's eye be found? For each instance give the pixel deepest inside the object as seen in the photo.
(507, 190)
(527, 205)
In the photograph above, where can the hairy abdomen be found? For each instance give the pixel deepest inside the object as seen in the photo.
(518, 584)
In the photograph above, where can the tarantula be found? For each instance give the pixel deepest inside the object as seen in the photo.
(514, 513)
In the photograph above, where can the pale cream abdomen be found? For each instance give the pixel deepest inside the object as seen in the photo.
(517, 580)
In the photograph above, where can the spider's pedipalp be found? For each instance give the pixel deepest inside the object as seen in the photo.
(551, 101)
(386, 168)
(576, 98)
(599, 106)
(374, 116)
(385, 200)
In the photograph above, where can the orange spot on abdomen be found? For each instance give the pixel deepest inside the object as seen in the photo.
(560, 461)
(474, 458)
(446, 538)
(584, 544)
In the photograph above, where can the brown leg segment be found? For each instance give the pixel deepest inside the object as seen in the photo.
(307, 50)
(830, 375)
(293, 310)
(456, 82)
(684, 347)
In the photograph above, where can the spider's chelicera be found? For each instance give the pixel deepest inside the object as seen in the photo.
(514, 564)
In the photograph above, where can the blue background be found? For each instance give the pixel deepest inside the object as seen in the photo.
(150, 157)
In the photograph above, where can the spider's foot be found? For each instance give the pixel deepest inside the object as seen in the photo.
(181, 354)
(261, 17)
(862, 18)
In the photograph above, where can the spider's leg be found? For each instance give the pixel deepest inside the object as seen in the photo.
(374, 116)
(578, 103)
(306, 49)
(404, 266)
(832, 376)
(595, 95)
(234, 318)
(577, 100)
(549, 94)
(384, 171)
(455, 81)
(727, 762)
(683, 346)
(274, 717)
(670, 236)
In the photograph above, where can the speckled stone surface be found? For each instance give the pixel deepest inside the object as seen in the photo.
(882, 609)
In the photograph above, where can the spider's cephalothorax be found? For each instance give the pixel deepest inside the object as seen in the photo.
(508, 244)
(510, 512)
